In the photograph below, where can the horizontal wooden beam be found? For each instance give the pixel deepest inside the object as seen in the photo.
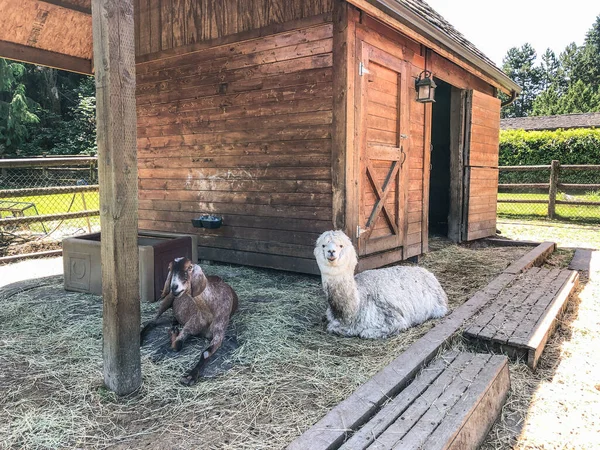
(14, 258)
(68, 5)
(45, 162)
(33, 55)
(47, 217)
(518, 186)
(30, 192)
(583, 187)
(522, 168)
(509, 200)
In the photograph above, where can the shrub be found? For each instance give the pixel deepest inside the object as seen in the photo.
(524, 148)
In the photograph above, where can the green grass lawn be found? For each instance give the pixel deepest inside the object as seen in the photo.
(56, 204)
(572, 213)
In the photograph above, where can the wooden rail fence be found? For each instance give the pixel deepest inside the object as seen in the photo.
(553, 185)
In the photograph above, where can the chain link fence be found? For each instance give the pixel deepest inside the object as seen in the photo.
(561, 192)
(43, 200)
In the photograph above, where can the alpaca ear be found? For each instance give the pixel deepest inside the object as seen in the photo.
(198, 281)
(167, 286)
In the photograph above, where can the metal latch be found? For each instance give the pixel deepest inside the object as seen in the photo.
(359, 231)
(361, 69)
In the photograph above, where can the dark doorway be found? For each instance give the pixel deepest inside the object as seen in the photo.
(439, 187)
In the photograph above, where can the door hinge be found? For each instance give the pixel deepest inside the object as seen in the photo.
(361, 69)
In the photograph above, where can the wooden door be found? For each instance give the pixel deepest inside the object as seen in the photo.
(481, 165)
(382, 145)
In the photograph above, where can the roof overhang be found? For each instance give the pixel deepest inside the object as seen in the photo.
(54, 33)
(428, 34)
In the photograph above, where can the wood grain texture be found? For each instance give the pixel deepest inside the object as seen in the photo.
(243, 132)
(114, 58)
(46, 27)
(522, 318)
(180, 23)
(481, 161)
(358, 408)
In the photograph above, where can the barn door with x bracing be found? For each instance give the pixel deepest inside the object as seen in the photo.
(382, 126)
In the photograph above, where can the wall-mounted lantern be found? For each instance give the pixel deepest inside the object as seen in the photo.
(425, 87)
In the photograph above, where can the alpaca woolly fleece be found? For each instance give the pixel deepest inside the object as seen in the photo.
(375, 303)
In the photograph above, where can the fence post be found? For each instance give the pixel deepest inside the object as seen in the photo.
(554, 170)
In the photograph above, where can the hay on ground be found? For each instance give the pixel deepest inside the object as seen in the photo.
(286, 373)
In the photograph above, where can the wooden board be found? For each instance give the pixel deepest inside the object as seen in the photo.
(242, 131)
(452, 403)
(532, 258)
(481, 164)
(169, 24)
(44, 33)
(331, 431)
(520, 320)
(114, 58)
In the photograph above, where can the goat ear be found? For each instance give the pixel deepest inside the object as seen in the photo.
(167, 286)
(198, 281)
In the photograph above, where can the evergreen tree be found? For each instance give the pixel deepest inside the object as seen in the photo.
(15, 107)
(549, 69)
(519, 65)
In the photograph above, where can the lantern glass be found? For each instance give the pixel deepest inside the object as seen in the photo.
(424, 92)
(425, 88)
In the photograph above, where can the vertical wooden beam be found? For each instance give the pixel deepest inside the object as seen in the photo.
(426, 166)
(466, 165)
(347, 45)
(114, 61)
(554, 170)
(457, 123)
(340, 105)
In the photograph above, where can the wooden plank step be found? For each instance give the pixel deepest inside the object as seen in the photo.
(521, 318)
(452, 403)
(353, 412)
(533, 258)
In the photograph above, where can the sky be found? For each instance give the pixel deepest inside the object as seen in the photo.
(496, 26)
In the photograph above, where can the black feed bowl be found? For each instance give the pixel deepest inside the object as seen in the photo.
(207, 221)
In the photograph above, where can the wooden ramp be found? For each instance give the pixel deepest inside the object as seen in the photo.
(451, 404)
(522, 317)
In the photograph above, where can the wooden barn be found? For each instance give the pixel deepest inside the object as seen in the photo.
(289, 118)
(286, 117)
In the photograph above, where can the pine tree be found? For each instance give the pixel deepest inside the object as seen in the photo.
(15, 108)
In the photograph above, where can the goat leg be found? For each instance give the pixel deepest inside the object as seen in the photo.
(165, 304)
(192, 376)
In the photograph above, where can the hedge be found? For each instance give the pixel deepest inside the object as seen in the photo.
(523, 148)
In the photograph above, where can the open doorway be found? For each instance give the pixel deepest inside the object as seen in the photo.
(439, 185)
(446, 175)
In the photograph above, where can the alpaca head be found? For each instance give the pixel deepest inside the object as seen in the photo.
(335, 253)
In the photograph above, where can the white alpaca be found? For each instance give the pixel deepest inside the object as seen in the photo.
(375, 303)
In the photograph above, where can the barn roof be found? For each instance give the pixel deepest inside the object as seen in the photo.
(583, 120)
(419, 16)
(58, 33)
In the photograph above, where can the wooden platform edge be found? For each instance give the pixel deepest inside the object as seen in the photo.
(503, 242)
(549, 320)
(533, 258)
(330, 432)
(486, 410)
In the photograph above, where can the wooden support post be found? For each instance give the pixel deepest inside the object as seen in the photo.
(554, 170)
(114, 62)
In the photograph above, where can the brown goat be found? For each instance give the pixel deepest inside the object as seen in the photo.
(201, 304)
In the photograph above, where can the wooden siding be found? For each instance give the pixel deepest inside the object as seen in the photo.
(483, 165)
(168, 24)
(242, 131)
(382, 37)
